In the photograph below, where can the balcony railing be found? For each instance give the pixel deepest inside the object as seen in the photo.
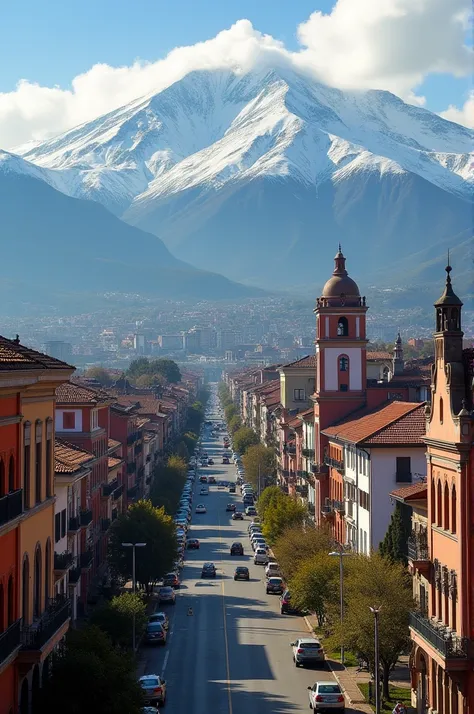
(291, 450)
(131, 467)
(449, 645)
(74, 524)
(302, 491)
(319, 469)
(118, 492)
(109, 488)
(327, 511)
(86, 559)
(63, 561)
(339, 506)
(10, 640)
(335, 463)
(35, 636)
(86, 517)
(418, 547)
(309, 453)
(11, 506)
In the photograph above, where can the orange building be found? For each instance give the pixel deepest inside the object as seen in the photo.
(32, 621)
(442, 629)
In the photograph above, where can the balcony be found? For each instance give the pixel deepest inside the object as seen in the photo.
(109, 488)
(339, 507)
(11, 506)
(131, 467)
(335, 464)
(86, 559)
(417, 551)
(62, 562)
(74, 575)
(319, 471)
(10, 641)
(86, 517)
(105, 524)
(309, 453)
(132, 492)
(449, 645)
(118, 492)
(327, 512)
(302, 491)
(291, 450)
(73, 525)
(36, 635)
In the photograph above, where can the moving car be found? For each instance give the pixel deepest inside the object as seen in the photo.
(286, 608)
(230, 507)
(193, 544)
(275, 586)
(241, 573)
(326, 695)
(200, 508)
(202, 479)
(160, 617)
(166, 594)
(225, 459)
(211, 479)
(154, 689)
(236, 549)
(307, 650)
(155, 634)
(232, 488)
(204, 491)
(237, 516)
(260, 557)
(172, 580)
(210, 462)
(208, 570)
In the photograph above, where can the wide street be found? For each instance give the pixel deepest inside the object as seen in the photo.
(232, 655)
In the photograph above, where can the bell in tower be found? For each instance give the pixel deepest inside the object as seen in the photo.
(448, 321)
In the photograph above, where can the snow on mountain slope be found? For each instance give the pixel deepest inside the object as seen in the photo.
(215, 126)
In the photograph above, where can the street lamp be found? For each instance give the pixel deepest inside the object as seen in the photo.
(375, 611)
(134, 582)
(340, 554)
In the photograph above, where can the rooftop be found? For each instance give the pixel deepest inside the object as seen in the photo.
(394, 423)
(72, 393)
(413, 492)
(13, 355)
(69, 458)
(303, 363)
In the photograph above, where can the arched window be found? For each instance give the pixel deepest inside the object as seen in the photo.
(342, 327)
(2, 478)
(433, 502)
(441, 410)
(25, 590)
(38, 459)
(454, 524)
(343, 364)
(37, 583)
(47, 572)
(439, 505)
(26, 464)
(446, 508)
(10, 602)
(11, 474)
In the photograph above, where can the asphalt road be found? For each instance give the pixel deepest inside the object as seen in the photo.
(232, 655)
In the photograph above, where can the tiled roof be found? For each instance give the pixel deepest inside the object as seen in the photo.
(303, 363)
(68, 458)
(379, 355)
(394, 423)
(307, 415)
(142, 421)
(19, 357)
(71, 393)
(294, 422)
(113, 444)
(114, 462)
(143, 404)
(413, 492)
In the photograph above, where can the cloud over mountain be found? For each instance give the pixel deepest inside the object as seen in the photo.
(387, 44)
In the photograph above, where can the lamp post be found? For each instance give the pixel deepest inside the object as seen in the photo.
(375, 611)
(340, 554)
(134, 546)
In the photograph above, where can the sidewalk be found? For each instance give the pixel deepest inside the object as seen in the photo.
(349, 677)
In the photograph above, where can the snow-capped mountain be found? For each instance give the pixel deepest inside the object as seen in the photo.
(273, 162)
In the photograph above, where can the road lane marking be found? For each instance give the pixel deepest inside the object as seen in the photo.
(165, 662)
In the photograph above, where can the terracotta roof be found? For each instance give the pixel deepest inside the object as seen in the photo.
(303, 363)
(113, 444)
(142, 404)
(142, 421)
(413, 492)
(72, 393)
(16, 356)
(393, 423)
(379, 355)
(68, 458)
(113, 462)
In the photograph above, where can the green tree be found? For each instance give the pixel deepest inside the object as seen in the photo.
(394, 545)
(182, 451)
(168, 484)
(190, 439)
(138, 367)
(167, 368)
(300, 543)
(382, 583)
(143, 523)
(101, 375)
(90, 675)
(230, 411)
(115, 618)
(243, 438)
(285, 513)
(315, 584)
(259, 462)
(149, 381)
(195, 416)
(269, 498)
(234, 424)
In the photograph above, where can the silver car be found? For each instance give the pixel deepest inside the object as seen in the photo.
(326, 695)
(154, 688)
(307, 650)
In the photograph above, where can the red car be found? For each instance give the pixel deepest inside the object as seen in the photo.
(193, 544)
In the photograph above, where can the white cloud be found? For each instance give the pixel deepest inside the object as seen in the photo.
(386, 44)
(464, 115)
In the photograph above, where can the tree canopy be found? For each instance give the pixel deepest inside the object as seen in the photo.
(243, 438)
(101, 375)
(234, 424)
(230, 411)
(90, 675)
(115, 618)
(167, 369)
(300, 543)
(315, 584)
(260, 459)
(394, 545)
(283, 513)
(168, 484)
(143, 523)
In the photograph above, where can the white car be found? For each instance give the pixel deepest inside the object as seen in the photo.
(200, 508)
(326, 695)
(272, 570)
(260, 557)
(204, 491)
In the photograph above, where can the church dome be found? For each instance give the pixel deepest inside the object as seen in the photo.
(340, 284)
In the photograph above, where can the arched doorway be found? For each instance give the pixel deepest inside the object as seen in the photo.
(24, 697)
(35, 689)
(25, 590)
(37, 583)
(422, 686)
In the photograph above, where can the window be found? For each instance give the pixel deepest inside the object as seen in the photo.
(2, 478)
(94, 419)
(63, 523)
(25, 590)
(37, 584)
(57, 527)
(446, 508)
(343, 364)
(441, 410)
(364, 500)
(343, 387)
(38, 460)
(49, 457)
(403, 474)
(453, 510)
(342, 327)
(11, 474)
(26, 463)
(439, 505)
(69, 420)
(47, 572)
(299, 395)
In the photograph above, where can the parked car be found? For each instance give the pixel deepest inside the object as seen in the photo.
(172, 580)
(204, 491)
(236, 549)
(241, 573)
(232, 488)
(326, 695)
(154, 689)
(286, 607)
(307, 650)
(155, 634)
(225, 460)
(208, 570)
(237, 516)
(272, 569)
(211, 479)
(275, 586)
(160, 617)
(251, 511)
(260, 557)
(167, 594)
(202, 479)
(193, 544)
(210, 462)
(200, 508)
(230, 507)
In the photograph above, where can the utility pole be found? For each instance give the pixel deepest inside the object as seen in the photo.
(134, 546)
(375, 611)
(340, 554)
